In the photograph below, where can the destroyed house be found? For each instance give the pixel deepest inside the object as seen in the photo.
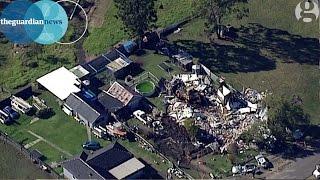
(112, 162)
(121, 100)
(84, 112)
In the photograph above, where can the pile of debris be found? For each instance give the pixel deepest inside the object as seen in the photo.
(216, 107)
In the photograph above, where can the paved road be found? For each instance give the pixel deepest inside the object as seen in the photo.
(302, 168)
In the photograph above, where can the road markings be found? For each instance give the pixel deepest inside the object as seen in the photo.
(51, 144)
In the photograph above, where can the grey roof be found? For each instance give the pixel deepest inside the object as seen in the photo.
(95, 165)
(82, 108)
(110, 103)
(80, 170)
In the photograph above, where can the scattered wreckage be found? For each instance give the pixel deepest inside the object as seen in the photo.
(216, 107)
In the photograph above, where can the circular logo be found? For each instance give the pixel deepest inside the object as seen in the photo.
(307, 10)
(43, 22)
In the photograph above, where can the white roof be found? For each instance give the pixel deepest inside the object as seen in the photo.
(127, 168)
(60, 82)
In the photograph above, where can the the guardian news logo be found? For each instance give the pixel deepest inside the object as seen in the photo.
(30, 21)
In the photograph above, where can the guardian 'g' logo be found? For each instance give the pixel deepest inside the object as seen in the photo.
(307, 10)
(43, 22)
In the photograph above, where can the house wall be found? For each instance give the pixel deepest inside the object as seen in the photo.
(68, 174)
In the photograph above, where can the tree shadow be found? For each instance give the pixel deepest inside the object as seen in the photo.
(255, 49)
(226, 58)
(288, 47)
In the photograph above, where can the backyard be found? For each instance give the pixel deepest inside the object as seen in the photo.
(60, 137)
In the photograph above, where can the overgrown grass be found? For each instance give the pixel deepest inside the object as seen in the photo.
(16, 74)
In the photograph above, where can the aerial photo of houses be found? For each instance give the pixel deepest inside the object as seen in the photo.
(159, 89)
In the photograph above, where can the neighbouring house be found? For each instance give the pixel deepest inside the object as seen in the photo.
(83, 112)
(114, 62)
(122, 101)
(112, 162)
(96, 66)
(61, 83)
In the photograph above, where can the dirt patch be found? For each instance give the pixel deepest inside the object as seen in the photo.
(97, 13)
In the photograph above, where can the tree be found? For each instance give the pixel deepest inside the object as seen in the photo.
(215, 10)
(286, 119)
(137, 15)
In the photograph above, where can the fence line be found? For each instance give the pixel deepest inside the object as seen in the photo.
(27, 153)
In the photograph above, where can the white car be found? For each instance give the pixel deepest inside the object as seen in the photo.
(262, 161)
(316, 172)
(142, 116)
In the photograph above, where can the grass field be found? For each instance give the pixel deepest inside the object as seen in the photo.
(100, 39)
(276, 54)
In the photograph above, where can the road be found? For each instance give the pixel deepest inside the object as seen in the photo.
(301, 168)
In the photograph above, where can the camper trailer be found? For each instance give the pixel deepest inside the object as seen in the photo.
(21, 105)
(4, 117)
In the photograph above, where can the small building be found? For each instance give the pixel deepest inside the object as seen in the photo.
(112, 162)
(61, 83)
(121, 100)
(184, 60)
(21, 105)
(83, 112)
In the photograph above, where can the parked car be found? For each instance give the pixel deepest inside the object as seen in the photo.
(91, 145)
(249, 168)
(316, 172)
(262, 161)
(12, 113)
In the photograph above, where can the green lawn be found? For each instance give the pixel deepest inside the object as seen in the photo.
(220, 165)
(60, 129)
(103, 38)
(150, 61)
